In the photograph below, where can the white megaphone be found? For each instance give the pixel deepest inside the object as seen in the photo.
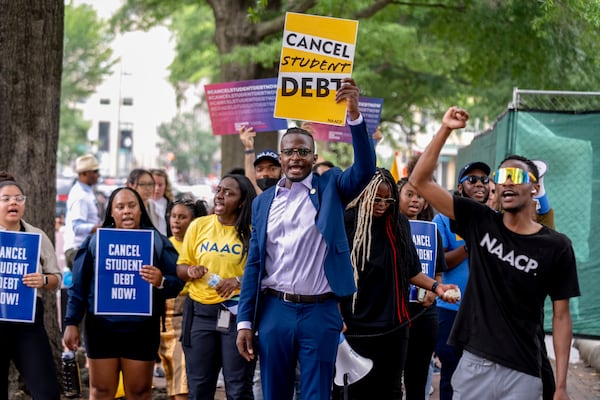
(350, 367)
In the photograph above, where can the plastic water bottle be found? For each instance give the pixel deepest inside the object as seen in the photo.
(212, 279)
(70, 372)
(67, 278)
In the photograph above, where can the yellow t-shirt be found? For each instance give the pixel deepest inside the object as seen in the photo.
(215, 246)
(177, 244)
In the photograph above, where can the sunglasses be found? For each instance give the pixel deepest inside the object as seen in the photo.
(387, 200)
(517, 176)
(472, 179)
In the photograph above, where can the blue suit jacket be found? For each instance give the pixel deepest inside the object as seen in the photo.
(334, 190)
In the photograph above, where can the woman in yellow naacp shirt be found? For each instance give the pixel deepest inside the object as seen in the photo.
(212, 260)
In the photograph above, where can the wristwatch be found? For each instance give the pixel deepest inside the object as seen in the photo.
(434, 286)
(162, 283)
(45, 280)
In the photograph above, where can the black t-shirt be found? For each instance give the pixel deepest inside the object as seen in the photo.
(510, 277)
(376, 308)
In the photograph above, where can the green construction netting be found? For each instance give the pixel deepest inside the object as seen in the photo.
(569, 143)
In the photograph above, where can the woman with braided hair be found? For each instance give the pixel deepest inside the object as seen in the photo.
(385, 262)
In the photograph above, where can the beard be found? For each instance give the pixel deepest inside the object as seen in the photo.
(464, 194)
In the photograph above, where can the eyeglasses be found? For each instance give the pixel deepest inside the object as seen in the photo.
(517, 176)
(18, 198)
(472, 179)
(302, 153)
(386, 200)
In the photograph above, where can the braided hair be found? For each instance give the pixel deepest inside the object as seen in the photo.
(399, 243)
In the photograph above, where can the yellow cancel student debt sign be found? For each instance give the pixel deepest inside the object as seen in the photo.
(317, 53)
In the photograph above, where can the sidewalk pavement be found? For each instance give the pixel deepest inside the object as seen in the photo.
(589, 350)
(583, 378)
(583, 381)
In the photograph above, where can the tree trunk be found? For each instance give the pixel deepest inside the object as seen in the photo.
(31, 43)
(232, 28)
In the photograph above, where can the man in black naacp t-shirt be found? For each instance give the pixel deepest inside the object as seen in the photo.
(515, 263)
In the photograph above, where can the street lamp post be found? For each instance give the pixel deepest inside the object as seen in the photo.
(119, 123)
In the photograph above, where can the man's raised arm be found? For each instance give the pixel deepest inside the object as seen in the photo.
(422, 175)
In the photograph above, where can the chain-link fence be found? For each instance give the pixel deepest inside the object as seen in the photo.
(563, 129)
(555, 101)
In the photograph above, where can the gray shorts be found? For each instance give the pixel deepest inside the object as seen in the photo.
(477, 378)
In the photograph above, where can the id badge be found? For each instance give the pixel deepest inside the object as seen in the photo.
(223, 320)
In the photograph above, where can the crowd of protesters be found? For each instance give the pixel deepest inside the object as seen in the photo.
(268, 283)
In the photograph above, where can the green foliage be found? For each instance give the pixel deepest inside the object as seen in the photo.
(196, 54)
(144, 14)
(527, 44)
(87, 53)
(339, 153)
(419, 56)
(86, 62)
(266, 54)
(73, 135)
(194, 148)
(256, 13)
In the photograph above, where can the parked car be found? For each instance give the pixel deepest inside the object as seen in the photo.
(199, 192)
(63, 186)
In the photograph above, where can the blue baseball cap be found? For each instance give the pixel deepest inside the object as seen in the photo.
(471, 166)
(267, 155)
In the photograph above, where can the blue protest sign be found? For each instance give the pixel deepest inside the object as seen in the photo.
(120, 255)
(19, 255)
(424, 237)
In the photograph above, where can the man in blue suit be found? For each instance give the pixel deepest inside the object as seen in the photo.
(299, 262)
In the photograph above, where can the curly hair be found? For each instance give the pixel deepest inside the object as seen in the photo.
(198, 208)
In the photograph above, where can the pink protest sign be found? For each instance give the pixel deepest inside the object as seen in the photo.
(244, 103)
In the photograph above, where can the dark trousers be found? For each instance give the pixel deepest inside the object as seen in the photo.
(423, 335)
(208, 350)
(28, 347)
(548, 383)
(289, 333)
(388, 353)
(448, 355)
